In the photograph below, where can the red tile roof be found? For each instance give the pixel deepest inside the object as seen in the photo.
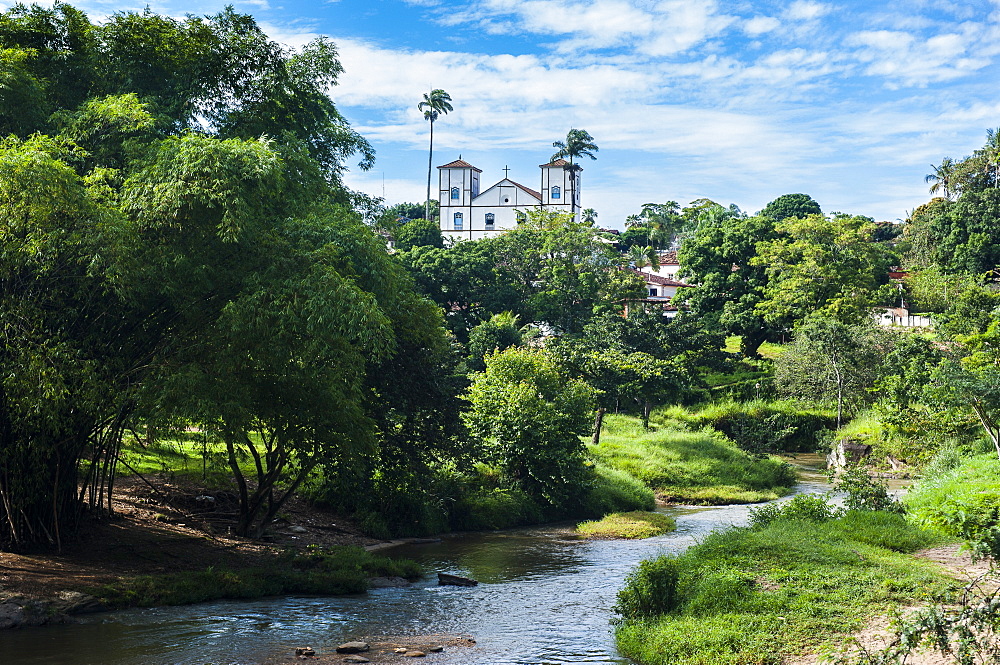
(669, 258)
(656, 279)
(558, 162)
(460, 164)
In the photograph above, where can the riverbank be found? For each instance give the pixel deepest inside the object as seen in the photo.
(174, 534)
(759, 595)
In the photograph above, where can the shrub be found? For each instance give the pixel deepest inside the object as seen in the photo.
(812, 507)
(760, 427)
(865, 493)
(650, 590)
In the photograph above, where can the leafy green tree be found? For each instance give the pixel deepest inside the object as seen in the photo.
(643, 357)
(418, 233)
(971, 379)
(822, 264)
(436, 102)
(790, 205)
(469, 281)
(719, 260)
(565, 269)
(830, 361)
(148, 269)
(933, 290)
(530, 416)
(500, 332)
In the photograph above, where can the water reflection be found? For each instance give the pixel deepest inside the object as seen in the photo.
(544, 597)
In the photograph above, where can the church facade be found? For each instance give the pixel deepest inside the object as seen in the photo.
(467, 213)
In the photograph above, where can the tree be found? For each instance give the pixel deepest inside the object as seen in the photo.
(943, 178)
(833, 362)
(971, 379)
(418, 233)
(530, 417)
(436, 102)
(821, 264)
(718, 259)
(643, 257)
(578, 143)
(469, 281)
(790, 205)
(148, 269)
(589, 216)
(565, 270)
(500, 332)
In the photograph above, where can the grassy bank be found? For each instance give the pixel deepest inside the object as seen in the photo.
(333, 571)
(629, 526)
(752, 596)
(961, 497)
(701, 467)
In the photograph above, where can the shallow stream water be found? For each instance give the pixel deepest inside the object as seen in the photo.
(545, 596)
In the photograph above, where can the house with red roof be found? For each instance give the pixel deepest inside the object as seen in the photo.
(660, 290)
(469, 213)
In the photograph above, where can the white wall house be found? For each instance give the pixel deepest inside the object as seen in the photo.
(469, 214)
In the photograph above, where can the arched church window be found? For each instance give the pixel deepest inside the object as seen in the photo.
(457, 224)
(454, 194)
(556, 192)
(490, 220)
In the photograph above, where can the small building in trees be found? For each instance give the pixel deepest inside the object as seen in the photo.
(467, 213)
(660, 290)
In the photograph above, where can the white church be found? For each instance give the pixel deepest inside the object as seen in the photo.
(468, 214)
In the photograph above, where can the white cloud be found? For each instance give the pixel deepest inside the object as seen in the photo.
(758, 25)
(805, 10)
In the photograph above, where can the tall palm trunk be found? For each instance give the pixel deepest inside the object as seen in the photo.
(430, 159)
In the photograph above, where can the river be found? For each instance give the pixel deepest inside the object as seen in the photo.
(545, 596)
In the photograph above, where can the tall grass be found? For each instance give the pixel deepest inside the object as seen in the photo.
(690, 466)
(753, 596)
(963, 500)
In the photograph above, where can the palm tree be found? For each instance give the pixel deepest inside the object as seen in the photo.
(436, 102)
(643, 257)
(578, 143)
(589, 216)
(943, 177)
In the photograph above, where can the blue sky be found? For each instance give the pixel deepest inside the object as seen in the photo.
(739, 102)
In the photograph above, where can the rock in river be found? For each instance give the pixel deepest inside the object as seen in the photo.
(353, 647)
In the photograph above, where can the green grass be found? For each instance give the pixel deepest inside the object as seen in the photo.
(631, 526)
(963, 501)
(690, 467)
(338, 570)
(767, 349)
(754, 596)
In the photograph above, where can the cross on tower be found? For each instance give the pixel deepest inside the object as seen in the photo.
(506, 171)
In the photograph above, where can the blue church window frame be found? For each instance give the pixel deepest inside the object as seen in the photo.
(556, 192)
(490, 220)
(457, 221)
(454, 194)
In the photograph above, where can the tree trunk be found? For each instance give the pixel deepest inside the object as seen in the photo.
(598, 423)
(647, 408)
(430, 160)
(750, 344)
